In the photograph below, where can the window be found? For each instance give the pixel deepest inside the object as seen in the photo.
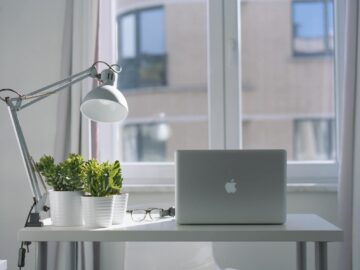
(278, 90)
(276, 102)
(165, 88)
(314, 139)
(142, 48)
(145, 142)
(313, 27)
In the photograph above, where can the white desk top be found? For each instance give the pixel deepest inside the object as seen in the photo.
(299, 227)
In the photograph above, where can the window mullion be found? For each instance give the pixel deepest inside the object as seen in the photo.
(326, 26)
(232, 72)
(339, 11)
(224, 75)
(216, 74)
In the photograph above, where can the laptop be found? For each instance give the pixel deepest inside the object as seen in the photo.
(230, 186)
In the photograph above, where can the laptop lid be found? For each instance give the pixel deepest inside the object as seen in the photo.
(230, 186)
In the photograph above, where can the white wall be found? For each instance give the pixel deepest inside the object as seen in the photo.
(30, 56)
(30, 53)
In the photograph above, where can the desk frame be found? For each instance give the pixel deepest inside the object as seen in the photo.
(299, 228)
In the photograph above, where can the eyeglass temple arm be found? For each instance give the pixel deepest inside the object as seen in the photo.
(169, 212)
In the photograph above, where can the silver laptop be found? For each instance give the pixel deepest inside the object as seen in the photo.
(230, 186)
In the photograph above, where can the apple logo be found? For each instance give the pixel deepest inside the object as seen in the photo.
(230, 186)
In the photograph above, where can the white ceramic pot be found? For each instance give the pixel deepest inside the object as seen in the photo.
(65, 208)
(97, 211)
(120, 206)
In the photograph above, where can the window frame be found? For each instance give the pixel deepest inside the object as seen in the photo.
(331, 121)
(327, 51)
(136, 13)
(224, 99)
(141, 152)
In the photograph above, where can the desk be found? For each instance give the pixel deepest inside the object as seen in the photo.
(299, 228)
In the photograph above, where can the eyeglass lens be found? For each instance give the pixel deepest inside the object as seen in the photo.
(138, 215)
(155, 214)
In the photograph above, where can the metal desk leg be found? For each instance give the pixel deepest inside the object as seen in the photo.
(41, 256)
(74, 253)
(42, 252)
(321, 256)
(301, 255)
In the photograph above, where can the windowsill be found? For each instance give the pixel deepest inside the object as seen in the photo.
(148, 188)
(311, 58)
(305, 187)
(312, 187)
(165, 89)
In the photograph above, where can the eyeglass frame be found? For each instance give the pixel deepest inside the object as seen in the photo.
(163, 212)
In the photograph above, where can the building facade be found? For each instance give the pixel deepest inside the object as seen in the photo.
(287, 71)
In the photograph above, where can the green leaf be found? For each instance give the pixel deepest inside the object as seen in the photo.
(102, 179)
(65, 176)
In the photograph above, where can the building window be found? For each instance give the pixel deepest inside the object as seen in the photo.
(314, 139)
(142, 48)
(204, 111)
(145, 142)
(313, 27)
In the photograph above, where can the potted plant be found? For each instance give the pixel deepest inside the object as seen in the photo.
(65, 179)
(100, 183)
(120, 199)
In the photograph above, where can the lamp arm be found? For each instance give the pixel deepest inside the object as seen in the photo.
(16, 104)
(37, 95)
(35, 189)
(19, 102)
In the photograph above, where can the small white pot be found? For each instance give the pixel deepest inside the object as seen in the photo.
(120, 206)
(97, 211)
(65, 208)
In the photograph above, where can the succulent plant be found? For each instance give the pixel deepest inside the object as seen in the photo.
(65, 176)
(102, 179)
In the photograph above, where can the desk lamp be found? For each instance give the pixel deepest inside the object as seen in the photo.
(104, 103)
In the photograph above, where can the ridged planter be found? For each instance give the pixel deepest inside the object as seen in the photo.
(65, 208)
(120, 206)
(97, 211)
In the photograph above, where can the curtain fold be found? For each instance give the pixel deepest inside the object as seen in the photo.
(349, 185)
(78, 54)
(73, 129)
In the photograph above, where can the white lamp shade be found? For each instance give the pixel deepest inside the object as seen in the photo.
(105, 104)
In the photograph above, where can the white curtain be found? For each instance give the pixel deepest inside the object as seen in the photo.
(79, 52)
(349, 193)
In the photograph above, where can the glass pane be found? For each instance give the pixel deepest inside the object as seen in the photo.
(146, 141)
(309, 30)
(314, 140)
(330, 22)
(165, 88)
(148, 68)
(152, 31)
(309, 19)
(285, 95)
(128, 38)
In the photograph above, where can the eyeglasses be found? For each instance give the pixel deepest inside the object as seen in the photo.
(138, 215)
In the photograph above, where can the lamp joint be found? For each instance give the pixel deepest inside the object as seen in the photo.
(34, 220)
(108, 76)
